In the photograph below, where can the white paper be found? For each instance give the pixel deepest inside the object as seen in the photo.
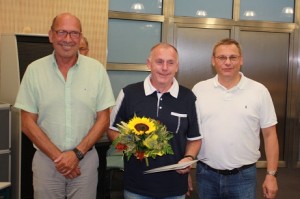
(171, 167)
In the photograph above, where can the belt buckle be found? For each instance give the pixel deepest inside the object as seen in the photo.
(228, 172)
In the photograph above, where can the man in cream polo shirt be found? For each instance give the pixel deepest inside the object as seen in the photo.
(65, 99)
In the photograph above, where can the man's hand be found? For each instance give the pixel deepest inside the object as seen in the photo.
(68, 165)
(187, 169)
(190, 185)
(270, 187)
(74, 173)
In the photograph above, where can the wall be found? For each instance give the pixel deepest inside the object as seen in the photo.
(35, 16)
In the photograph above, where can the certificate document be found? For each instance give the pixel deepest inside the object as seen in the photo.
(171, 167)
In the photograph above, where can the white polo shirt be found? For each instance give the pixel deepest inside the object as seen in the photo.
(230, 121)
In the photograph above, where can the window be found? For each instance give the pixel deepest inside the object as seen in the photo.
(129, 41)
(204, 8)
(141, 6)
(267, 10)
(135, 26)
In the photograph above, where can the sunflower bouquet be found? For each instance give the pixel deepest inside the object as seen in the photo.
(143, 138)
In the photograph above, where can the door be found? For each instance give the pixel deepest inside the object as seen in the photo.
(266, 56)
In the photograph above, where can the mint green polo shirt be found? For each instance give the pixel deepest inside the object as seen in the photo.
(66, 109)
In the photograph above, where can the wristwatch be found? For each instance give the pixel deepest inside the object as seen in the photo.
(273, 173)
(78, 154)
(189, 156)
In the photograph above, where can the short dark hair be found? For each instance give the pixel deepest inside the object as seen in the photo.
(164, 45)
(227, 41)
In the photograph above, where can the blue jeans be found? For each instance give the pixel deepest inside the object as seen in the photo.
(211, 185)
(130, 195)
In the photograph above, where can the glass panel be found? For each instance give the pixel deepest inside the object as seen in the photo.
(120, 79)
(267, 10)
(204, 8)
(130, 41)
(137, 6)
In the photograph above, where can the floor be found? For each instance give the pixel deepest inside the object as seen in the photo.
(288, 182)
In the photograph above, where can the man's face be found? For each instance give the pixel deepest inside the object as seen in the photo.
(83, 49)
(65, 36)
(163, 65)
(227, 61)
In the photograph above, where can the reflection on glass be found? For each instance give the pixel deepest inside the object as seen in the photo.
(249, 13)
(267, 10)
(148, 26)
(201, 13)
(129, 41)
(288, 12)
(204, 8)
(159, 4)
(137, 6)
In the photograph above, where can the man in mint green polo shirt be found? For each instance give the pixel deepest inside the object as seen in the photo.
(64, 100)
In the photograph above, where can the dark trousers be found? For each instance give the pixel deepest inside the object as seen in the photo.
(103, 186)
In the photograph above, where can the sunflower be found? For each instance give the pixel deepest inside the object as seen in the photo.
(143, 138)
(141, 126)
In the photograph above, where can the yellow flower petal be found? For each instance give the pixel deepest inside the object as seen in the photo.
(141, 125)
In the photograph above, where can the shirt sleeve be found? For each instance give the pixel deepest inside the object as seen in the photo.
(26, 98)
(268, 114)
(115, 111)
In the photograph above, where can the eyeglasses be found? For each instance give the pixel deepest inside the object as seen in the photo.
(232, 58)
(64, 33)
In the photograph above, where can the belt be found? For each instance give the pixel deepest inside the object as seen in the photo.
(226, 172)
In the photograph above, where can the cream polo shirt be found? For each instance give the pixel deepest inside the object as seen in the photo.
(66, 109)
(230, 121)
